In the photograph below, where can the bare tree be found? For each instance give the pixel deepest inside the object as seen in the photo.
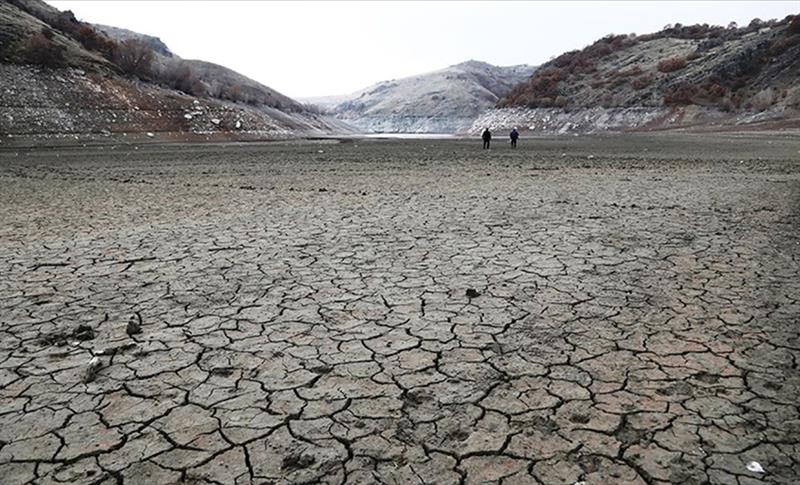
(135, 57)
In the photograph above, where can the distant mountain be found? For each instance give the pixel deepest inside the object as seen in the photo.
(443, 101)
(61, 75)
(682, 75)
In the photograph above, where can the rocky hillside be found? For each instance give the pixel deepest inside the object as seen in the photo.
(62, 76)
(443, 101)
(682, 75)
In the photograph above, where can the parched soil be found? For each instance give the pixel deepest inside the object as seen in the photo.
(596, 309)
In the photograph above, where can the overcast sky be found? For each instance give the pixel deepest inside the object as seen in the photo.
(323, 48)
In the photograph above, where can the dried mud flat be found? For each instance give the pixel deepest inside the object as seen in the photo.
(598, 310)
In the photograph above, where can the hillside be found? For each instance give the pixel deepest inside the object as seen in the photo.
(682, 75)
(62, 76)
(443, 101)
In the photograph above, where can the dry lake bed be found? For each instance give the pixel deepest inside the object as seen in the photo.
(602, 310)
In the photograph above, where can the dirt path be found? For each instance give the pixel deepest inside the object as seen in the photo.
(598, 310)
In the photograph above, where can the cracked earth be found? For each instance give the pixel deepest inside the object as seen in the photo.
(597, 310)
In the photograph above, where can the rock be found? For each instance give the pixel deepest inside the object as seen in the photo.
(238, 124)
(83, 332)
(134, 325)
(150, 134)
(472, 293)
(216, 121)
(95, 364)
(755, 467)
(187, 116)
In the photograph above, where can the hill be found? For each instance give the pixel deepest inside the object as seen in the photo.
(443, 101)
(681, 75)
(64, 76)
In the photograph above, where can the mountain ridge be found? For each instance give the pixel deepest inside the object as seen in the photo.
(441, 101)
(65, 76)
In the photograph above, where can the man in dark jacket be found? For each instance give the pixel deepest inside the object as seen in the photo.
(514, 136)
(487, 137)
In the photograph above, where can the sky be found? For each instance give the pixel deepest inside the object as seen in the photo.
(308, 48)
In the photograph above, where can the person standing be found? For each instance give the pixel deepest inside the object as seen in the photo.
(514, 135)
(487, 138)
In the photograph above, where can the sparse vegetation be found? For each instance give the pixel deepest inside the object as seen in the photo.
(672, 64)
(752, 58)
(95, 41)
(41, 49)
(134, 57)
(642, 82)
(794, 26)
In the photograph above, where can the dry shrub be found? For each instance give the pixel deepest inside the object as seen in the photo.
(642, 82)
(180, 76)
(40, 49)
(672, 64)
(95, 41)
(134, 57)
(680, 94)
(707, 93)
(794, 26)
(782, 44)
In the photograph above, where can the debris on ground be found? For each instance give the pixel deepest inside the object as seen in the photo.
(91, 371)
(472, 293)
(134, 325)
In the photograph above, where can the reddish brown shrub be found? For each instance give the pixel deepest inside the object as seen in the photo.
(673, 64)
(40, 49)
(95, 41)
(642, 82)
(681, 94)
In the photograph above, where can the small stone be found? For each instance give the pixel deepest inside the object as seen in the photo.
(472, 293)
(91, 371)
(83, 332)
(134, 325)
(755, 467)
(151, 134)
(187, 116)
(216, 121)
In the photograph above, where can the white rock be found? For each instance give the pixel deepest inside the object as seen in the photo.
(151, 134)
(238, 124)
(755, 467)
(187, 116)
(216, 121)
